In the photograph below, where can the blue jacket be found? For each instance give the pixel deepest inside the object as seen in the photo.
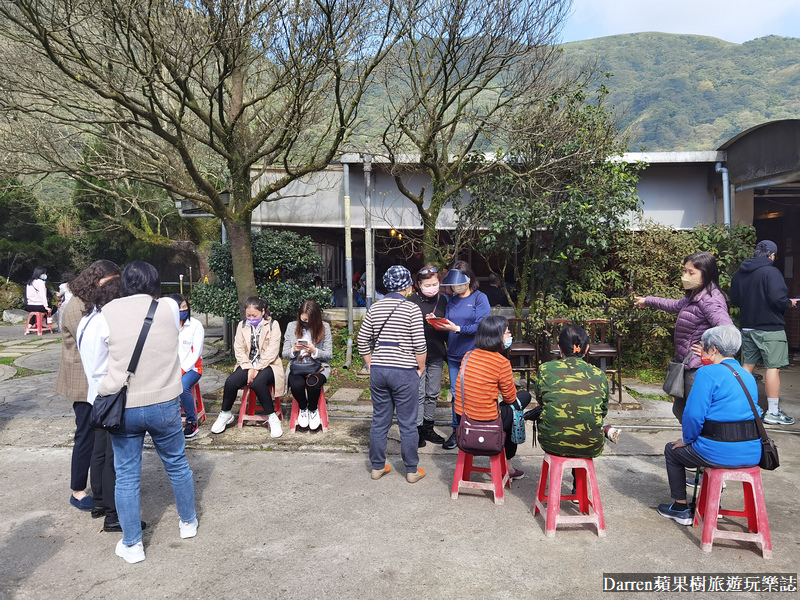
(717, 396)
(467, 313)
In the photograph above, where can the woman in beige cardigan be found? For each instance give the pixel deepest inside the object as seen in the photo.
(258, 364)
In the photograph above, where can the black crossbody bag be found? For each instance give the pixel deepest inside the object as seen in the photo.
(769, 451)
(108, 411)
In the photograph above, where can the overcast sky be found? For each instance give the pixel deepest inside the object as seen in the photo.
(732, 20)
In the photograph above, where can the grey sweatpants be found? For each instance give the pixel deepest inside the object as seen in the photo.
(430, 384)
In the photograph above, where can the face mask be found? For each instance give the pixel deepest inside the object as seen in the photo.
(43, 277)
(459, 289)
(254, 322)
(507, 343)
(304, 324)
(184, 315)
(706, 361)
(691, 282)
(430, 292)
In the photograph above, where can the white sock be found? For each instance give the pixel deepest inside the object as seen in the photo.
(773, 405)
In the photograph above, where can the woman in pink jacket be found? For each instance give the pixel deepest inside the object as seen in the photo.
(704, 306)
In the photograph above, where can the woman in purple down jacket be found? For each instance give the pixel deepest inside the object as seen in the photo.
(703, 307)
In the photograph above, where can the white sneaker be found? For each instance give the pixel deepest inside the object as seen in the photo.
(302, 418)
(314, 421)
(223, 420)
(275, 426)
(188, 530)
(130, 554)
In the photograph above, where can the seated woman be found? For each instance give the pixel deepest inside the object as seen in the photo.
(574, 398)
(487, 374)
(36, 296)
(258, 339)
(191, 337)
(308, 336)
(719, 427)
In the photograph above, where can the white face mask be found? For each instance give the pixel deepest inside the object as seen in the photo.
(43, 276)
(459, 289)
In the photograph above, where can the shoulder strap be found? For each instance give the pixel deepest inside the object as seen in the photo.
(759, 425)
(378, 335)
(137, 352)
(80, 339)
(461, 375)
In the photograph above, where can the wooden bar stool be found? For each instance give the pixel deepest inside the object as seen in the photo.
(755, 510)
(552, 472)
(322, 407)
(498, 469)
(199, 407)
(247, 410)
(40, 324)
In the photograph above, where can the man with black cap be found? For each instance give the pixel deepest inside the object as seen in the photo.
(392, 342)
(759, 290)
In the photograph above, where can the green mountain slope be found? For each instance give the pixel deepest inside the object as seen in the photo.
(689, 92)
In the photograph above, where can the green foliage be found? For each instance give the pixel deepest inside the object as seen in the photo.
(284, 265)
(689, 92)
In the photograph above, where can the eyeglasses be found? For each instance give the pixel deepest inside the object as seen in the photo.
(428, 271)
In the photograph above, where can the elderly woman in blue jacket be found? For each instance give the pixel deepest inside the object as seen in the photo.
(719, 427)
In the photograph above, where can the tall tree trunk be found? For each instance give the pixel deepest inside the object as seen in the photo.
(242, 256)
(431, 252)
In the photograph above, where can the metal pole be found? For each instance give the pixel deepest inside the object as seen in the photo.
(368, 226)
(190, 281)
(348, 264)
(180, 277)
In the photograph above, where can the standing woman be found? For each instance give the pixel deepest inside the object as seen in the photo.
(466, 309)
(308, 336)
(431, 303)
(702, 307)
(258, 364)
(36, 295)
(152, 404)
(71, 382)
(190, 353)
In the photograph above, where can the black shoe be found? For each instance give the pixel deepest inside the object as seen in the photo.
(451, 442)
(115, 527)
(98, 511)
(430, 434)
(421, 443)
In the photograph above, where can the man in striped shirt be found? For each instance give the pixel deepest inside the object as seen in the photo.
(392, 342)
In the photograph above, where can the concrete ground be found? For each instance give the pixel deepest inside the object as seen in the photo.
(299, 517)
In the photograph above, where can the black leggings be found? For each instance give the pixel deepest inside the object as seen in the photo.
(261, 385)
(307, 389)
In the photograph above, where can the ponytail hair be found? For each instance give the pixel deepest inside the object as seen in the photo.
(573, 340)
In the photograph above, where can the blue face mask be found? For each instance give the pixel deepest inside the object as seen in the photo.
(184, 315)
(254, 322)
(507, 343)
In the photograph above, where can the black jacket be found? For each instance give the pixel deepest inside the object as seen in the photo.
(759, 290)
(435, 338)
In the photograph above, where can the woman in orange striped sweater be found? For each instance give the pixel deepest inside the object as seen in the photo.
(487, 374)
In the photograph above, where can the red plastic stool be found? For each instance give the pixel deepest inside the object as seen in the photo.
(498, 468)
(322, 407)
(200, 408)
(755, 510)
(554, 466)
(247, 411)
(39, 324)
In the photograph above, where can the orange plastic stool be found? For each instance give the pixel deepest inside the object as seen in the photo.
(755, 510)
(40, 324)
(322, 407)
(498, 468)
(554, 467)
(247, 411)
(200, 408)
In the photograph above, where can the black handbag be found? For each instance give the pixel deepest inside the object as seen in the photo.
(108, 411)
(769, 451)
(305, 365)
(673, 382)
(480, 438)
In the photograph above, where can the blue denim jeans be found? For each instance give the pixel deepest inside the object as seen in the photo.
(453, 368)
(187, 401)
(394, 390)
(163, 422)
